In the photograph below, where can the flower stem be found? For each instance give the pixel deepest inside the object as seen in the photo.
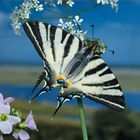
(54, 12)
(82, 119)
(86, 9)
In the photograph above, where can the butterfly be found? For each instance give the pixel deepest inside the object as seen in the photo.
(76, 68)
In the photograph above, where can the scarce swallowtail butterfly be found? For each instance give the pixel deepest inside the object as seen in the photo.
(73, 66)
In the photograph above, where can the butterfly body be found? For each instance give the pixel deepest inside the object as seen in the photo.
(73, 66)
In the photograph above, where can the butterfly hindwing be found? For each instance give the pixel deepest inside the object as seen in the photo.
(100, 84)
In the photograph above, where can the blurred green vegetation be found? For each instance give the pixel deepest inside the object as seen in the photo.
(101, 124)
(109, 125)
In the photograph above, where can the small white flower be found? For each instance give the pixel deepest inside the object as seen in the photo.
(70, 25)
(72, 31)
(77, 20)
(114, 5)
(22, 13)
(103, 2)
(39, 7)
(6, 120)
(70, 3)
(35, 1)
(50, 2)
(62, 24)
(81, 34)
(59, 2)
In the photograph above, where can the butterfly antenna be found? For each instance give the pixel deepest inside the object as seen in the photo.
(92, 33)
(113, 52)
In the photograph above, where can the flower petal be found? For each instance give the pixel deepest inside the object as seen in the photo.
(4, 108)
(1, 98)
(15, 135)
(30, 122)
(61, 20)
(1, 137)
(13, 119)
(23, 135)
(5, 127)
(77, 17)
(8, 100)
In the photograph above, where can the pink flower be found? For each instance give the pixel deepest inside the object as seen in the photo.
(7, 100)
(22, 134)
(30, 122)
(7, 121)
(1, 137)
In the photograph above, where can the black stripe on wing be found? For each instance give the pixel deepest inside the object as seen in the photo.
(104, 86)
(34, 36)
(37, 30)
(64, 34)
(96, 69)
(52, 38)
(107, 71)
(67, 46)
(47, 34)
(106, 83)
(101, 69)
(116, 103)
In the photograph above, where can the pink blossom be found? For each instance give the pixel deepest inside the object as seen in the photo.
(7, 121)
(22, 134)
(30, 122)
(7, 100)
(1, 137)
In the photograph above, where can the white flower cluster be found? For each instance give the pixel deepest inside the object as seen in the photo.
(73, 27)
(69, 2)
(113, 3)
(22, 13)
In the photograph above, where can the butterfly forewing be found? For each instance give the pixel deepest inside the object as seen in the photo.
(53, 44)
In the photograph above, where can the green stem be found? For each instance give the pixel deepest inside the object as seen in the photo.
(52, 17)
(82, 119)
(53, 11)
(86, 9)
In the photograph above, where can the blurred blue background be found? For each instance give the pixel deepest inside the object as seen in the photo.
(120, 31)
(20, 67)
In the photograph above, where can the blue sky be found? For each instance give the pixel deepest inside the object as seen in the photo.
(120, 31)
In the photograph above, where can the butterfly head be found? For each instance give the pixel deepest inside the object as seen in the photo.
(98, 47)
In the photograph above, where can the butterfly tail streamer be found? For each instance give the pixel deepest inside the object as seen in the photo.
(38, 82)
(39, 93)
(57, 108)
(45, 88)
